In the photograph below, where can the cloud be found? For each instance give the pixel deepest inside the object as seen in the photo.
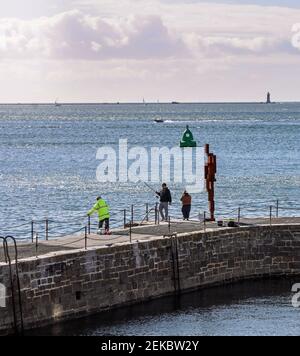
(78, 35)
(75, 35)
(296, 36)
(171, 50)
(235, 45)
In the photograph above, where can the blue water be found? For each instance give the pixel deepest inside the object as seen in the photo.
(252, 308)
(48, 158)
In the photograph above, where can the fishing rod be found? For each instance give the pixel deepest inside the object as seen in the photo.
(153, 190)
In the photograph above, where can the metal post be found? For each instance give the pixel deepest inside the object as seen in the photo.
(271, 213)
(169, 224)
(8, 260)
(147, 212)
(32, 231)
(277, 209)
(36, 244)
(204, 215)
(89, 224)
(239, 215)
(47, 230)
(156, 213)
(130, 231)
(125, 218)
(85, 237)
(132, 213)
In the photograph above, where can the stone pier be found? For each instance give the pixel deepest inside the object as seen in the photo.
(70, 283)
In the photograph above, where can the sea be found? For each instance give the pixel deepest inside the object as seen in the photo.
(48, 165)
(250, 308)
(48, 160)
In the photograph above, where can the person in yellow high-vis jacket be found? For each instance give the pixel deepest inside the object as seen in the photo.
(103, 212)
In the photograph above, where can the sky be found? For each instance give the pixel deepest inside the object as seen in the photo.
(166, 50)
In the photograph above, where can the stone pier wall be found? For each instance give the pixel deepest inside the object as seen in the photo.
(73, 284)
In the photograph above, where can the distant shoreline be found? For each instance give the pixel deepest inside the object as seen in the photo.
(152, 103)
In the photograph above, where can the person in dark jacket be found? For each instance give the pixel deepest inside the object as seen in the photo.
(186, 200)
(165, 200)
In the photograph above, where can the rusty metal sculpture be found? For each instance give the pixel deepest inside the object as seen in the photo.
(210, 178)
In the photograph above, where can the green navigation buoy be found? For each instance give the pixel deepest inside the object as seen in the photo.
(188, 139)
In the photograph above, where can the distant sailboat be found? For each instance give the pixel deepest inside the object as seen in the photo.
(56, 103)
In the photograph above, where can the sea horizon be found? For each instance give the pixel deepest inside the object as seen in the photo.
(155, 103)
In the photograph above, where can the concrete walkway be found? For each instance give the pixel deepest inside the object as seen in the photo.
(140, 233)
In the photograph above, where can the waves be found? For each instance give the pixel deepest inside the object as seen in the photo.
(48, 157)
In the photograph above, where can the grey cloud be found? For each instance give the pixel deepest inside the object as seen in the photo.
(74, 35)
(77, 36)
(245, 45)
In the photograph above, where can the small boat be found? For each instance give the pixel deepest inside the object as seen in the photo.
(159, 120)
(56, 103)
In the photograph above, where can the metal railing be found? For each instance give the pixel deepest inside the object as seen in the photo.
(125, 223)
(128, 228)
(16, 296)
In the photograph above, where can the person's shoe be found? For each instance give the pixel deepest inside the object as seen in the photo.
(99, 232)
(107, 232)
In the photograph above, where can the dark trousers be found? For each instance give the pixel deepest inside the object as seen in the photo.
(186, 210)
(106, 222)
(164, 206)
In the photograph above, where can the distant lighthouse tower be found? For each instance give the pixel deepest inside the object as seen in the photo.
(269, 98)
